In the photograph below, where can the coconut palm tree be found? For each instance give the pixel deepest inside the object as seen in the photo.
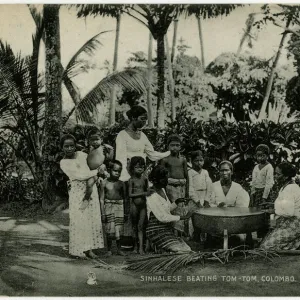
(158, 17)
(22, 98)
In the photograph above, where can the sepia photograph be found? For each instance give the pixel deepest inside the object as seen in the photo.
(149, 150)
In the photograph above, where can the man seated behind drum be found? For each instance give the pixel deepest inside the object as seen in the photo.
(227, 193)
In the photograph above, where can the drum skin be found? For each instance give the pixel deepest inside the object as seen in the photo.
(235, 219)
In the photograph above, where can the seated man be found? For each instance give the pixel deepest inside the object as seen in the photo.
(227, 193)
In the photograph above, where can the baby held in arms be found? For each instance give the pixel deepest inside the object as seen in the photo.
(95, 160)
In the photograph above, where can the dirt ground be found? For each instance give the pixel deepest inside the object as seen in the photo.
(34, 261)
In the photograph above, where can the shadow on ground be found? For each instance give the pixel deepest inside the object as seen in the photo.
(35, 262)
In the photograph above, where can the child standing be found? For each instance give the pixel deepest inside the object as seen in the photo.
(200, 184)
(138, 186)
(200, 188)
(178, 181)
(112, 198)
(262, 182)
(262, 177)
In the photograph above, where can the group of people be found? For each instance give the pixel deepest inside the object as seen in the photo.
(160, 200)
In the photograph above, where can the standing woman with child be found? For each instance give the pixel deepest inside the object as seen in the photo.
(85, 230)
(132, 141)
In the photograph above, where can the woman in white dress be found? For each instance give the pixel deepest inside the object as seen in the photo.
(286, 233)
(85, 230)
(133, 142)
(227, 193)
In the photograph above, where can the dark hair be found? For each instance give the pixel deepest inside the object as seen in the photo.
(136, 160)
(287, 169)
(174, 138)
(195, 154)
(157, 173)
(67, 137)
(228, 163)
(135, 111)
(94, 131)
(115, 162)
(263, 148)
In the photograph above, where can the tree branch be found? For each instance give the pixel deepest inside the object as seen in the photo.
(287, 29)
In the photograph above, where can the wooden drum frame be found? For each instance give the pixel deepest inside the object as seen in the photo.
(228, 220)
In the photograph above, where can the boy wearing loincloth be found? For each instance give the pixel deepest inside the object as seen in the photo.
(178, 181)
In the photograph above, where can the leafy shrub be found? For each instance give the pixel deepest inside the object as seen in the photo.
(221, 140)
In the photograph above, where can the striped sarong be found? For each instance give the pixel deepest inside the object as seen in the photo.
(285, 236)
(114, 213)
(161, 237)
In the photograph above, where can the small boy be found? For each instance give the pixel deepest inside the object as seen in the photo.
(112, 196)
(178, 186)
(95, 160)
(178, 181)
(262, 177)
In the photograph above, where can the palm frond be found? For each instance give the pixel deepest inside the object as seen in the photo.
(88, 48)
(131, 79)
(169, 263)
(165, 263)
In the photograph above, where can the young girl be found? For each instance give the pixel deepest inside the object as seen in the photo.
(138, 186)
(262, 177)
(200, 187)
(112, 198)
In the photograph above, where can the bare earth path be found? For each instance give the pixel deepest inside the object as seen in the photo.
(34, 262)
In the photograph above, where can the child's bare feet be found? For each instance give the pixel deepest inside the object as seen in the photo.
(109, 253)
(141, 252)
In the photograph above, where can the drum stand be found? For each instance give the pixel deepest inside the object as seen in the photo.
(225, 243)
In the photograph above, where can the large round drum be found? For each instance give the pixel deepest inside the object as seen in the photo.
(235, 220)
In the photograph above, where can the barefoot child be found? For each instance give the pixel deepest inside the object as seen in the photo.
(138, 186)
(112, 198)
(178, 186)
(262, 181)
(178, 181)
(95, 160)
(262, 177)
(200, 186)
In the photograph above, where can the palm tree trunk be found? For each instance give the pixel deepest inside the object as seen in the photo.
(160, 79)
(53, 104)
(112, 110)
(171, 82)
(249, 24)
(201, 43)
(149, 89)
(262, 113)
(75, 96)
(174, 39)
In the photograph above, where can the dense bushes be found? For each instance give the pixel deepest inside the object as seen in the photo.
(218, 139)
(224, 140)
